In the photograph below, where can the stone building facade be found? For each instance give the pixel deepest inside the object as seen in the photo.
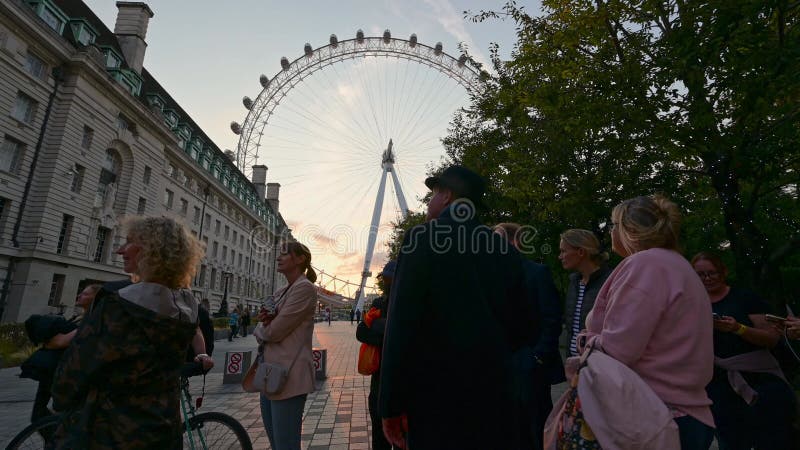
(88, 137)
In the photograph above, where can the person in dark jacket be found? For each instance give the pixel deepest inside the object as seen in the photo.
(539, 361)
(373, 335)
(579, 250)
(117, 383)
(457, 312)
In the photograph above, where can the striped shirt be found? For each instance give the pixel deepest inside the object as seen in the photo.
(576, 320)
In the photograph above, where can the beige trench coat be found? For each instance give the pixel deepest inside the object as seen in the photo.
(292, 329)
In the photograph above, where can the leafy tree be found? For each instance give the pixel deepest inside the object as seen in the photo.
(605, 100)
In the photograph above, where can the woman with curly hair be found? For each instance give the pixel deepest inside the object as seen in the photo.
(117, 383)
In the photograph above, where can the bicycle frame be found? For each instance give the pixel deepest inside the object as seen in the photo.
(188, 410)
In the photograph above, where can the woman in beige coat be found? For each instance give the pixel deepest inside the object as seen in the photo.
(286, 340)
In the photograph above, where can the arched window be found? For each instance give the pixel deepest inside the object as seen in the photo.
(107, 184)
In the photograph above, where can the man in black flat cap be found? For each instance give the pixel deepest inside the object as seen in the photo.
(457, 311)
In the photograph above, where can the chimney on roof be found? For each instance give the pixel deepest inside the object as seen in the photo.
(260, 180)
(131, 29)
(273, 191)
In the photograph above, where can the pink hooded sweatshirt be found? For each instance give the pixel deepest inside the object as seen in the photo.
(654, 315)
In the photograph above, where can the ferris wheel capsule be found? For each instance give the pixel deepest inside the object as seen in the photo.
(236, 128)
(334, 40)
(285, 63)
(247, 102)
(264, 80)
(308, 50)
(462, 60)
(360, 37)
(387, 36)
(412, 41)
(438, 49)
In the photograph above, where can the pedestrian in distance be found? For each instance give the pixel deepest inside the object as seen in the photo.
(372, 334)
(358, 315)
(117, 383)
(328, 315)
(284, 335)
(754, 405)
(458, 310)
(579, 251)
(539, 361)
(653, 316)
(245, 320)
(352, 315)
(233, 323)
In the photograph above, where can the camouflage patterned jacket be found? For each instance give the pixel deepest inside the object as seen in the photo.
(117, 383)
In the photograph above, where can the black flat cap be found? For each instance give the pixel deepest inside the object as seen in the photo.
(463, 182)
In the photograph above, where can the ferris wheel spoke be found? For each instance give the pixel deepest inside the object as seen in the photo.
(351, 133)
(312, 118)
(362, 119)
(357, 118)
(371, 102)
(423, 107)
(298, 145)
(424, 123)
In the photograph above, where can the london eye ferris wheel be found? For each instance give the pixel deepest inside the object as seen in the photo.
(335, 123)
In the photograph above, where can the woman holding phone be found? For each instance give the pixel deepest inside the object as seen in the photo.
(753, 403)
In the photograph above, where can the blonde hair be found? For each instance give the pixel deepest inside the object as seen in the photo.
(647, 222)
(170, 253)
(586, 240)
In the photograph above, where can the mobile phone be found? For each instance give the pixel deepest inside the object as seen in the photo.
(775, 319)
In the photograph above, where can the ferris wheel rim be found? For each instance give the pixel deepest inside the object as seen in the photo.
(272, 94)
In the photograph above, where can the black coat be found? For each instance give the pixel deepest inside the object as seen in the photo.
(457, 311)
(545, 346)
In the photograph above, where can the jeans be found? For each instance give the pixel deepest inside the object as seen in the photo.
(695, 435)
(283, 420)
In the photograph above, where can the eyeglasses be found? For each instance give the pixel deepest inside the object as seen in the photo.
(709, 274)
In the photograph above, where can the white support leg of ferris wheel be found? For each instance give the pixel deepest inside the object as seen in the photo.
(387, 166)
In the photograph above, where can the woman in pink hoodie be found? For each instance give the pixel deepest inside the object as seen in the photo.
(653, 315)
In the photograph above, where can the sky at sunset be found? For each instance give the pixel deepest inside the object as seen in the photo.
(324, 142)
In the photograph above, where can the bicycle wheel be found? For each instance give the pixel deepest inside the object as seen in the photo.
(35, 435)
(214, 430)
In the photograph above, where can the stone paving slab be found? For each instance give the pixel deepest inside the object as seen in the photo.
(335, 417)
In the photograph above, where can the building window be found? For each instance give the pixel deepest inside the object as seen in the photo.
(100, 244)
(227, 232)
(168, 197)
(35, 66)
(213, 284)
(201, 280)
(233, 256)
(4, 204)
(82, 32)
(214, 248)
(142, 206)
(224, 253)
(113, 60)
(146, 178)
(207, 222)
(124, 124)
(56, 288)
(88, 135)
(77, 178)
(24, 108)
(240, 260)
(217, 225)
(235, 235)
(10, 154)
(107, 184)
(196, 218)
(64, 234)
(241, 241)
(184, 206)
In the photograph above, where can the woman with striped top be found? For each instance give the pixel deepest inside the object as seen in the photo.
(579, 250)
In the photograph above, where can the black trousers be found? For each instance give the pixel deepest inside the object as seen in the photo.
(379, 441)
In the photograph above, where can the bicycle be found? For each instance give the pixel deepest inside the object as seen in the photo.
(209, 430)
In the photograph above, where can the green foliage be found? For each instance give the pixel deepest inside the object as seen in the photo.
(608, 100)
(221, 323)
(14, 344)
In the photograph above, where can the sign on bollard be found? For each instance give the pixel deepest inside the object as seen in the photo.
(236, 365)
(320, 362)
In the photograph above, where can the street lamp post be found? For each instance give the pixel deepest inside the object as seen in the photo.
(223, 305)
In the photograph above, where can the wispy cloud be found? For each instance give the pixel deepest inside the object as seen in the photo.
(452, 21)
